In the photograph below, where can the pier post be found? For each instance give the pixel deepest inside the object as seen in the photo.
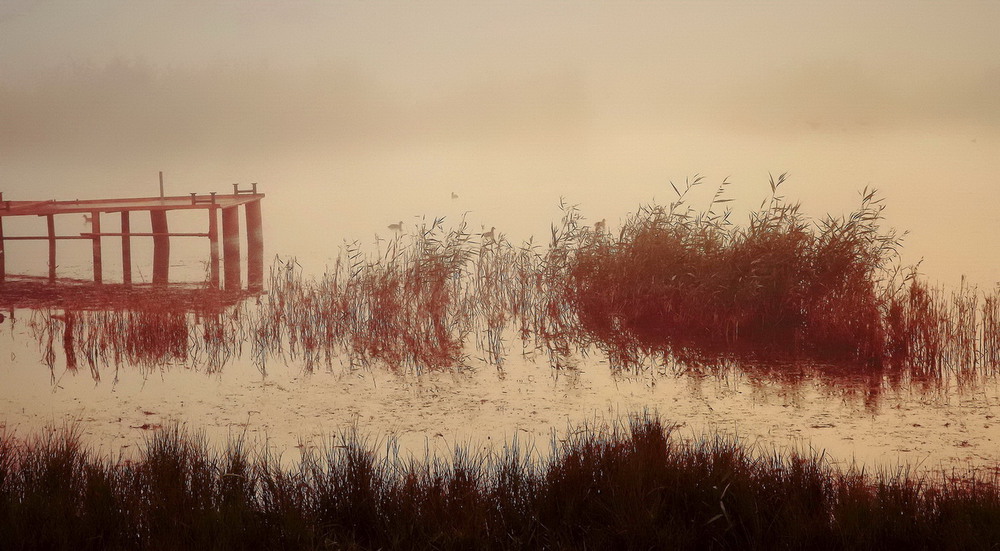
(255, 247)
(126, 249)
(161, 246)
(95, 221)
(51, 223)
(3, 263)
(231, 246)
(213, 241)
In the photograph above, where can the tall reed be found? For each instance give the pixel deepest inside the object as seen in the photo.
(782, 283)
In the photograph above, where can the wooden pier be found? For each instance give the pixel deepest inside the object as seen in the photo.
(158, 208)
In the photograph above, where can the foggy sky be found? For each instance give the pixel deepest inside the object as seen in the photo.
(541, 99)
(108, 75)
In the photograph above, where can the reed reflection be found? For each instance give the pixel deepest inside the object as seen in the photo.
(142, 327)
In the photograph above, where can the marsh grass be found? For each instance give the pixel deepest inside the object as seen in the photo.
(628, 485)
(780, 284)
(402, 307)
(672, 286)
(695, 286)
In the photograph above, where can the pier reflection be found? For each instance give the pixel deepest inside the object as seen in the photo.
(80, 324)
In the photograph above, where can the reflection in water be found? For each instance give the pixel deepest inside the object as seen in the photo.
(143, 327)
(879, 413)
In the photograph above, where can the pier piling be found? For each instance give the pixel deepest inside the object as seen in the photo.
(161, 246)
(255, 246)
(126, 249)
(95, 221)
(213, 244)
(231, 246)
(3, 260)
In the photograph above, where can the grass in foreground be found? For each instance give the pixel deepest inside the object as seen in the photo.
(632, 486)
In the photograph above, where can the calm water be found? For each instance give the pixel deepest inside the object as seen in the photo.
(874, 420)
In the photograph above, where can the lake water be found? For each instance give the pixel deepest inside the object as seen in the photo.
(875, 420)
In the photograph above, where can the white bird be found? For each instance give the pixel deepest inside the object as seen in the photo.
(396, 227)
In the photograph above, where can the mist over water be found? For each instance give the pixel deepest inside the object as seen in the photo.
(354, 116)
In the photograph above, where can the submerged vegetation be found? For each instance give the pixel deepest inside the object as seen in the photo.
(674, 286)
(631, 485)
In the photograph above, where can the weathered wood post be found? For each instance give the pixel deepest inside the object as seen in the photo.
(231, 246)
(51, 223)
(255, 246)
(3, 262)
(95, 222)
(213, 243)
(161, 246)
(126, 249)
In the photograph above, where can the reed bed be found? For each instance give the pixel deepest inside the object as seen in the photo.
(695, 286)
(933, 329)
(780, 284)
(402, 307)
(673, 286)
(627, 485)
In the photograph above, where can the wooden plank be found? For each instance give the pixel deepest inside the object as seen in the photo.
(43, 208)
(22, 205)
(45, 237)
(91, 235)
